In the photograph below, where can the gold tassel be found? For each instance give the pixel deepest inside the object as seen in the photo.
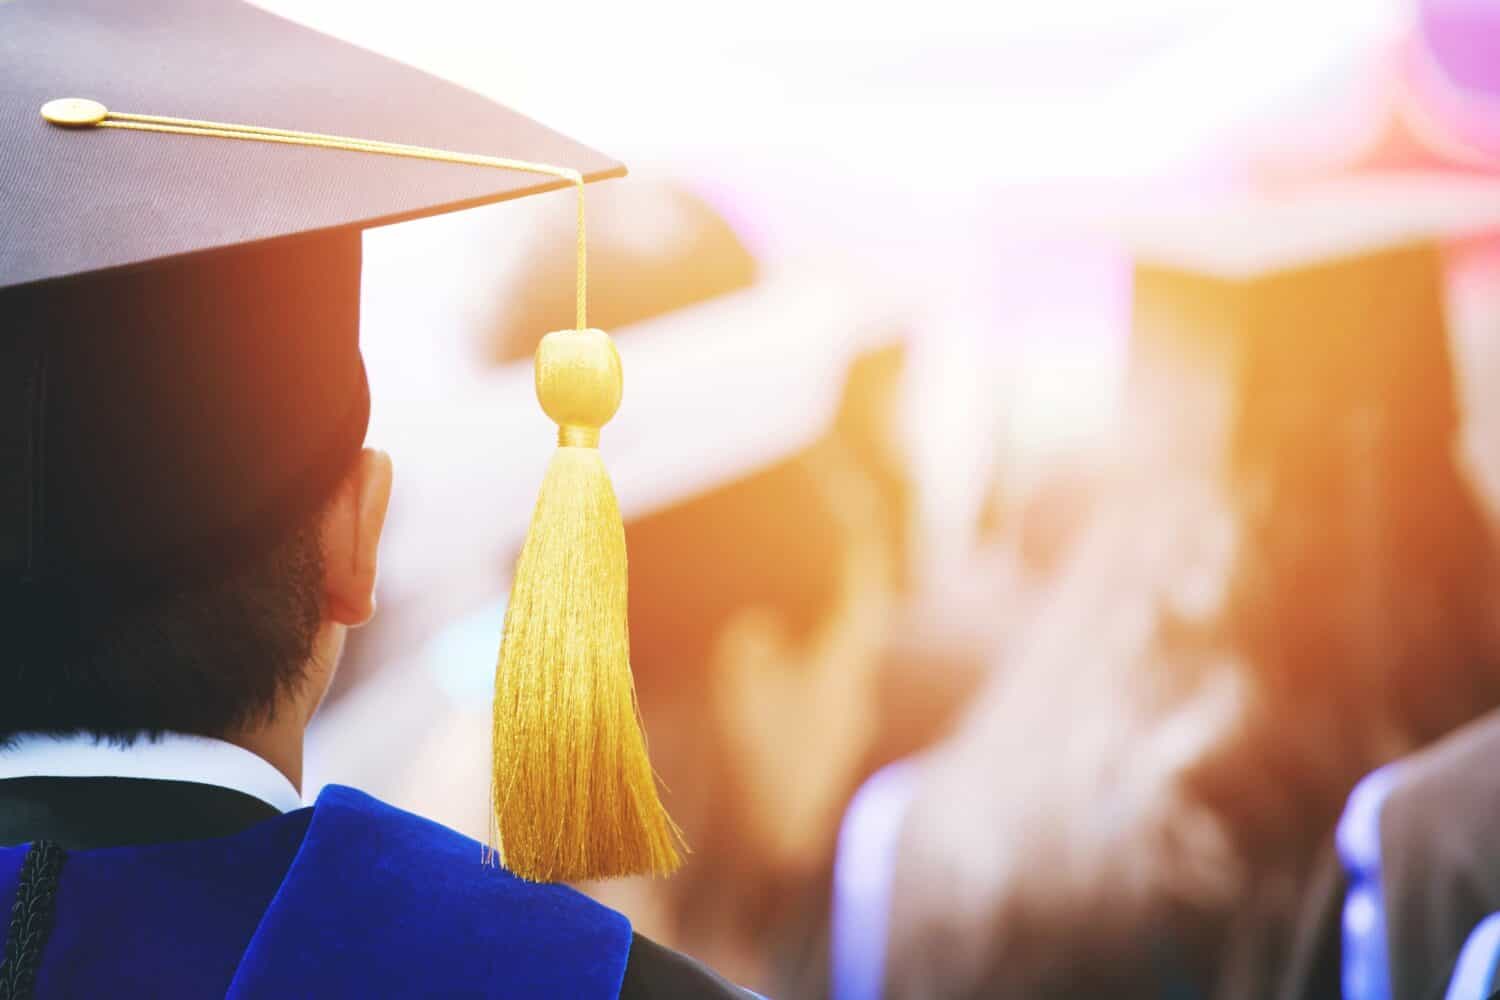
(575, 797)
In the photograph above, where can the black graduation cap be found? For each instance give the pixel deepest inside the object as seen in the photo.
(180, 376)
(1282, 328)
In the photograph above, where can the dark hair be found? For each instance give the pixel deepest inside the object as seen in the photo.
(784, 547)
(206, 659)
(768, 541)
(1361, 602)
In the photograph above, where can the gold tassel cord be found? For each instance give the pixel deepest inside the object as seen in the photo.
(573, 795)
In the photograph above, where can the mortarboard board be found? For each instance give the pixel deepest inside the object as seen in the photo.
(82, 203)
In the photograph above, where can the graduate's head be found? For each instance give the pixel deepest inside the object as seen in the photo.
(195, 519)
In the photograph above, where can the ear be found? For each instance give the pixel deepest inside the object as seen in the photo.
(352, 524)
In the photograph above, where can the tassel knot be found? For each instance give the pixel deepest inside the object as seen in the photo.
(578, 378)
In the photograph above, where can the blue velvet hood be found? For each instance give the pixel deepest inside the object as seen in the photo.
(374, 902)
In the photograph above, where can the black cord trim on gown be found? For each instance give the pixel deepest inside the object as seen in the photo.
(31, 920)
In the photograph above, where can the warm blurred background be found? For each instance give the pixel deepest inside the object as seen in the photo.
(1085, 406)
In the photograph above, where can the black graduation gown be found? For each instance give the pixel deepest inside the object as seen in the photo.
(1440, 871)
(92, 813)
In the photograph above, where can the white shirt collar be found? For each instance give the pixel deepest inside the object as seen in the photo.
(172, 757)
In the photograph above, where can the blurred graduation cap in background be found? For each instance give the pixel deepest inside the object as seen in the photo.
(1269, 326)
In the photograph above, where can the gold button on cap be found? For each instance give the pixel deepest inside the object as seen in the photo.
(74, 112)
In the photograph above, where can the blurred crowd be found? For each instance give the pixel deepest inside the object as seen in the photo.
(1025, 627)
